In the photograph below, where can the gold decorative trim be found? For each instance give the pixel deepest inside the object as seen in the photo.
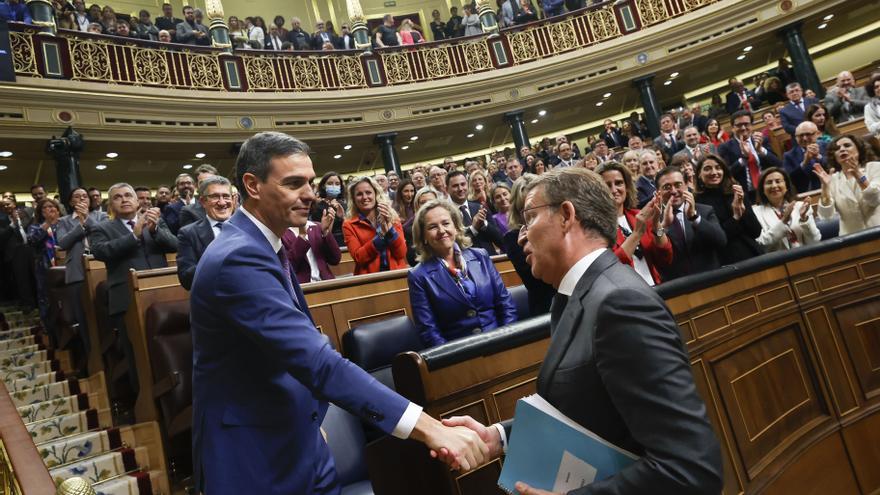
(8, 482)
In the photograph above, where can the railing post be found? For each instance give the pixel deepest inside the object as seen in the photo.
(487, 18)
(219, 29)
(42, 15)
(359, 26)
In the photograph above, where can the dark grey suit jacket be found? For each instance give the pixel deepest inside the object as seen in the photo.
(192, 214)
(115, 245)
(617, 366)
(192, 241)
(699, 253)
(70, 234)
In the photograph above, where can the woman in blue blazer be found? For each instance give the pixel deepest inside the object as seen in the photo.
(455, 290)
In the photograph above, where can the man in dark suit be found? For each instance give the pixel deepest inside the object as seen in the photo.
(693, 151)
(215, 196)
(740, 98)
(274, 40)
(171, 213)
(345, 40)
(799, 161)
(649, 165)
(747, 153)
(616, 364)
(321, 36)
(136, 240)
(263, 375)
(301, 40)
(194, 212)
(794, 111)
(669, 141)
(693, 228)
(611, 135)
(693, 117)
(481, 227)
(18, 257)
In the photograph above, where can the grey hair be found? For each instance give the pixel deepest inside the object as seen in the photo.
(257, 152)
(793, 85)
(210, 181)
(586, 191)
(119, 185)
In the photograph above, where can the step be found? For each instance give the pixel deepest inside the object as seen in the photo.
(74, 447)
(70, 424)
(16, 333)
(14, 351)
(103, 467)
(55, 407)
(19, 360)
(94, 384)
(28, 372)
(29, 382)
(49, 391)
(149, 435)
(17, 343)
(139, 483)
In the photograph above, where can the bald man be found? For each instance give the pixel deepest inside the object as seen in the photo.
(845, 101)
(799, 161)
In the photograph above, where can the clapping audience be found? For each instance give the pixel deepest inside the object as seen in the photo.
(786, 223)
(372, 231)
(852, 189)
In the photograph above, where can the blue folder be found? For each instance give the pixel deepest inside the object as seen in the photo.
(548, 450)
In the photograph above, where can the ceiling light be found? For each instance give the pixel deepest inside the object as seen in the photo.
(470, 135)
(600, 103)
(3, 167)
(405, 147)
(101, 166)
(337, 156)
(200, 155)
(5, 154)
(347, 147)
(667, 83)
(741, 57)
(187, 166)
(673, 75)
(112, 155)
(542, 113)
(534, 121)
(828, 17)
(606, 95)
(478, 127)
(414, 138)
(748, 48)
(822, 26)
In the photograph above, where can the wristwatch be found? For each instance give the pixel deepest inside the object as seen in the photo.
(863, 179)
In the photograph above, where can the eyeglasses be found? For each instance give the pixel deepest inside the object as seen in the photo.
(742, 124)
(218, 196)
(530, 219)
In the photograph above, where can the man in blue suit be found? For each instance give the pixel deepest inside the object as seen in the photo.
(262, 373)
(799, 161)
(185, 189)
(747, 153)
(794, 112)
(15, 10)
(215, 196)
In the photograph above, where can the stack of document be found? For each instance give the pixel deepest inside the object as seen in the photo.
(550, 451)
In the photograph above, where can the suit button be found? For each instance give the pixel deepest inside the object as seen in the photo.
(477, 331)
(314, 416)
(471, 313)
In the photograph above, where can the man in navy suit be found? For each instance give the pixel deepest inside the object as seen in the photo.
(669, 141)
(262, 373)
(480, 227)
(747, 153)
(215, 196)
(799, 161)
(793, 113)
(739, 97)
(171, 213)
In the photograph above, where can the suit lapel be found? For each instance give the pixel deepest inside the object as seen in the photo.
(442, 279)
(206, 233)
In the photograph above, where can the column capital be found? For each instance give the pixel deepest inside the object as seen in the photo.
(513, 116)
(385, 137)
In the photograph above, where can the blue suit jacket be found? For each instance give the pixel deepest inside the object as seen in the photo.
(737, 163)
(802, 177)
(262, 375)
(440, 310)
(18, 12)
(171, 215)
(645, 189)
(192, 240)
(791, 115)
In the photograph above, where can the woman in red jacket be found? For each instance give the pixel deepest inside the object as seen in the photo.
(638, 244)
(372, 230)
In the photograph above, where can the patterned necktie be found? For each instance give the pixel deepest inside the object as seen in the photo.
(465, 215)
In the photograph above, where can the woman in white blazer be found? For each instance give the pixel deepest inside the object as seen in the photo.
(785, 222)
(854, 189)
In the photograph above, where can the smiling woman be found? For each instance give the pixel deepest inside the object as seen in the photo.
(372, 231)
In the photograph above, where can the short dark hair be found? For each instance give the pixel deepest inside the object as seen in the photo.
(75, 189)
(257, 152)
(206, 168)
(96, 189)
(142, 188)
(727, 182)
(742, 113)
(35, 186)
(831, 161)
(869, 86)
(161, 186)
(790, 193)
(666, 115)
(664, 172)
(454, 173)
(322, 184)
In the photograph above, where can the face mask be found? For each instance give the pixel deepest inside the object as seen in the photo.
(333, 191)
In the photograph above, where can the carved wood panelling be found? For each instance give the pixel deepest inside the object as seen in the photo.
(862, 440)
(859, 323)
(832, 360)
(505, 399)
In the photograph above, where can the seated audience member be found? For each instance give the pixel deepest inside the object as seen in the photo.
(716, 188)
(771, 91)
(480, 227)
(714, 134)
(422, 196)
(693, 229)
(501, 203)
(313, 249)
(372, 231)
(185, 187)
(455, 291)
(785, 222)
(747, 153)
(403, 201)
(215, 195)
(640, 244)
(817, 114)
(645, 185)
(799, 161)
(196, 211)
(131, 240)
(42, 238)
(845, 101)
(478, 187)
(631, 161)
(872, 109)
(854, 189)
(330, 195)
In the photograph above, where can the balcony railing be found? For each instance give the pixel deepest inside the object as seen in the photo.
(80, 56)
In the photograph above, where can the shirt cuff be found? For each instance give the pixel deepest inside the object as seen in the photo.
(473, 230)
(503, 436)
(408, 421)
(697, 220)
